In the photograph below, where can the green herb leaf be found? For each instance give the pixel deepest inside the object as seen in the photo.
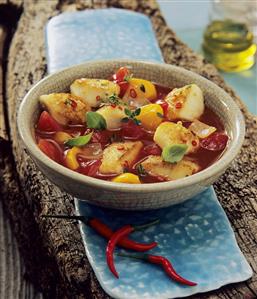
(95, 121)
(128, 77)
(137, 111)
(131, 115)
(174, 153)
(113, 99)
(137, 121)
(79, 141)
(127, 112)
(140, 170)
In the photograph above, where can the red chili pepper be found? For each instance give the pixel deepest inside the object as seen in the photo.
(74, 104)
(120, 234)
(165, 264)
(133, 93)
(194, 143)
(178, 105)
(105, 231)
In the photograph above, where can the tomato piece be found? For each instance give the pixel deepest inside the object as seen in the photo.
(164, 105)
(123, 88)
(51, 149)
(130, 130)
(47, 123)
(93, 168)
(215, 142)
(90, 168)
(120, 75)
(152, 149)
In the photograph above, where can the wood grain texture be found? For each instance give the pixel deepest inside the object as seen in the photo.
(58, 244)
(13, 282)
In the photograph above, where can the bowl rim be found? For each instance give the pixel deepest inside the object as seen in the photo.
(217, 167)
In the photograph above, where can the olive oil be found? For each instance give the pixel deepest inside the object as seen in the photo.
(229, 45)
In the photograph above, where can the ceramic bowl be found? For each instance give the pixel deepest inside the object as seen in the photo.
(126, 196)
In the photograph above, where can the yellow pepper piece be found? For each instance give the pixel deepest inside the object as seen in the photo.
(151, 116)
(145, 86)
(128, 178)
(71, 158)
(62, 137)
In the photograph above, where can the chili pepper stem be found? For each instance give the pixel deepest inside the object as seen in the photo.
(134, 256)
(145, 225)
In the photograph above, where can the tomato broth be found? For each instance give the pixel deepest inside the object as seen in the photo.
(132, 132)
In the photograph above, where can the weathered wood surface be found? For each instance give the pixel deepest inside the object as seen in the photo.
(52, 250)
(13, 282)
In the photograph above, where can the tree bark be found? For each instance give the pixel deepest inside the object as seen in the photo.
(60, 268)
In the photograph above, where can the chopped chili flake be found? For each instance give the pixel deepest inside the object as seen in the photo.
(178, 105)
(133, 93)
(194, 143)
(98, 98)
(119, 107)
(120, 148)
(113, 105)
(73, 104)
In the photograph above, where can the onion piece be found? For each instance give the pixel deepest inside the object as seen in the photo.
(201, 129)
(91, 151)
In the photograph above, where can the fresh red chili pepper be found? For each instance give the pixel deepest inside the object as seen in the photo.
(117, 236)
(106, 232)
(168, 268)
(165, 264)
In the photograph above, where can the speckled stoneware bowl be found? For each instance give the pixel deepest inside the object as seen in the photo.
(126, 196)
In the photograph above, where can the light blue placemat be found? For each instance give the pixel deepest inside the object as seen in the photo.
(195, 235)
(76, 37)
